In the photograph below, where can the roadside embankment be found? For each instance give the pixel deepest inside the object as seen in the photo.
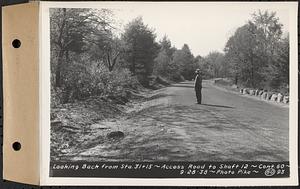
(260, 94)
(77, 125)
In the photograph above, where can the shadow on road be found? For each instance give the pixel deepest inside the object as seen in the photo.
(182, 85)
(219, 106)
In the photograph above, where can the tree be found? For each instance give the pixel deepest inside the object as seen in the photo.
(108, 49)
(244, 51)
(163, 62)
(166, 45)
(214, 61)
(70, 32)
(251, 51)
(185, 62)
(279, 70)
(270, 37)
(141, 49)
(188, 64)
(270, 28)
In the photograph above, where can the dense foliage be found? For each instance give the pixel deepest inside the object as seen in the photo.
(92, 56)
(85, 55)
(257, 55)
(141, 50)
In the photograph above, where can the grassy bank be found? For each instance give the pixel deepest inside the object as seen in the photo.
(72, 123)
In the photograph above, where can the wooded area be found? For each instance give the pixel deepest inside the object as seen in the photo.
(258, 54)
(92, 56)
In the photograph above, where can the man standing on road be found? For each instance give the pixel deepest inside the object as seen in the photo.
(198, 86)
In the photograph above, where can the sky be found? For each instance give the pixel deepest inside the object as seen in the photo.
(205, 27)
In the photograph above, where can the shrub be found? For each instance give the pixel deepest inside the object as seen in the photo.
(82, 80)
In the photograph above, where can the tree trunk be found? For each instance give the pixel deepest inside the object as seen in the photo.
(109, 64)
(67, 57)
(114, 61)
(58, 79)
(252, 70)
(133, 66)
(110, 68)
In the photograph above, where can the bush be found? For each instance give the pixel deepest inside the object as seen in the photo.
(118, 82)
(82, 81)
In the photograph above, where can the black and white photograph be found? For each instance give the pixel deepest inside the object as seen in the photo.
(168, 82)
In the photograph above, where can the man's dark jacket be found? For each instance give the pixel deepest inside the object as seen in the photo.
(198, 82)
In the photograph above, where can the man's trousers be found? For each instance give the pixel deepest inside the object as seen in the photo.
(199, 95)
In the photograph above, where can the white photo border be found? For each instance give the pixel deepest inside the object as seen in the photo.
(44, 91)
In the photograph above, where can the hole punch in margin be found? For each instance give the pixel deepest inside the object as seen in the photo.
(16, 146)
(16, 43)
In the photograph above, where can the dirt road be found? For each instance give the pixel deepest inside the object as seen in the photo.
(171, 127)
